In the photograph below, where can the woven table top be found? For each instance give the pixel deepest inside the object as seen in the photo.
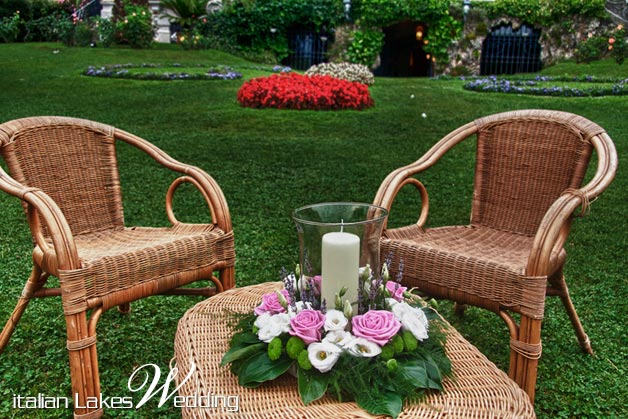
(478, 389)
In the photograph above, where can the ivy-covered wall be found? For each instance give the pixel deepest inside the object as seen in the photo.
(453, 38)
(561, 37)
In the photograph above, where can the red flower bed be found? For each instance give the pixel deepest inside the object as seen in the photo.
(295, 91)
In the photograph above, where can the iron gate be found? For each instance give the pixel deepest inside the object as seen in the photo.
(509, 51)
(307, 48)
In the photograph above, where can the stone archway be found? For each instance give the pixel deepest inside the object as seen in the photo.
(402, 54)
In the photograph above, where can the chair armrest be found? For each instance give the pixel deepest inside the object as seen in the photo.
(554, 228)
(204, 182)
(41, 208)
(402, 176)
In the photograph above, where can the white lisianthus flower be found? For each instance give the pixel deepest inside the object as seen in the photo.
(335, 320)
(363, 348)
(338, 337)
(412, 319)
(271, 326)
(323, 355)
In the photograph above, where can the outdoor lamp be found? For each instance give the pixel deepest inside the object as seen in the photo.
(347, 4)
(466, 6)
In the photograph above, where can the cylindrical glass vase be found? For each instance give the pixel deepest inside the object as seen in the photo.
(336, 240)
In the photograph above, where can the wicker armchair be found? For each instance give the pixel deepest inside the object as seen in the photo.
(65, 172)
(527, 187)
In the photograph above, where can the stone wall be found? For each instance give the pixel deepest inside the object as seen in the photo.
(557, 42)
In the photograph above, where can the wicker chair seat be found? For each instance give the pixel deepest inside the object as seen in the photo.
(115, 260)
(465, 259)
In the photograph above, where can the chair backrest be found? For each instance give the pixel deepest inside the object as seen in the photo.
(525, 160)
(73, 161)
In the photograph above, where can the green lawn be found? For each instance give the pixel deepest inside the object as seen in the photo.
(269, 162)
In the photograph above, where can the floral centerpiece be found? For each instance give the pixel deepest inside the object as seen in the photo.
(379, 352)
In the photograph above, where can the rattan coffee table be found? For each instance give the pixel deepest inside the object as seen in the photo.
(478, 388)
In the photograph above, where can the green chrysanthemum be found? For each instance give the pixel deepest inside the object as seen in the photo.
(294, 347)
(274, 349)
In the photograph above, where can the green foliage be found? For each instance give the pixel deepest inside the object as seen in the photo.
(618, 44)
(262, 25)
(106, 30)
(544, 12)
(365, 46)
(610, 44)
(44, 28)
(184, 12)
(136, 28)
(443, 29)
(591, 49)
(9, 27)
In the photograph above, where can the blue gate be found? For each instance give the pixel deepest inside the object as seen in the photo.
(307, 48)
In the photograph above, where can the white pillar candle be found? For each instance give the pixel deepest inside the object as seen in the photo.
(340, 266)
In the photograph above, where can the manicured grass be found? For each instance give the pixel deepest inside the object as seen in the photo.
(269, 162)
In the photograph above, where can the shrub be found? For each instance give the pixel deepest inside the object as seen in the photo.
(591, 49)
(9, 28)
(365, 47)
(618, 44)
(613, 44)
(296, 91)
(345, 71)
(137, 27)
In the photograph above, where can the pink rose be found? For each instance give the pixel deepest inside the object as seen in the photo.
(396, 290)
(307, 325)
(378, 326)
(271, 304)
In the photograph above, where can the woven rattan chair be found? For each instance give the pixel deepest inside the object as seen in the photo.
(527, 187)
(65, 172)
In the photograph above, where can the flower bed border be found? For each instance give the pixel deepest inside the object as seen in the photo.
(216, 72)
(527, 86)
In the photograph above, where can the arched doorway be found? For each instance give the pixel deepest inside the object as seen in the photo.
(402, 54)
(507, 51)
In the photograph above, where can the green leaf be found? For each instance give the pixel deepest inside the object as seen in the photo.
(244, 337)
(242, 351)
(259, 368)
(312, 385)
(434, 376)
(415, 372)
(376, 403)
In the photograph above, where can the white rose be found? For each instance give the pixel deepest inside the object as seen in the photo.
(363, 348)
(272, 326)
(323, 355)
(412, 319)
(335, 320)
(338, 337)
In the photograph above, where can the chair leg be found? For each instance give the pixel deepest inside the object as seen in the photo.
(227, 278)
(459, 309)
(81, 347)
(525, 352)
(559, 287)
(124, 308)
(35, 281)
